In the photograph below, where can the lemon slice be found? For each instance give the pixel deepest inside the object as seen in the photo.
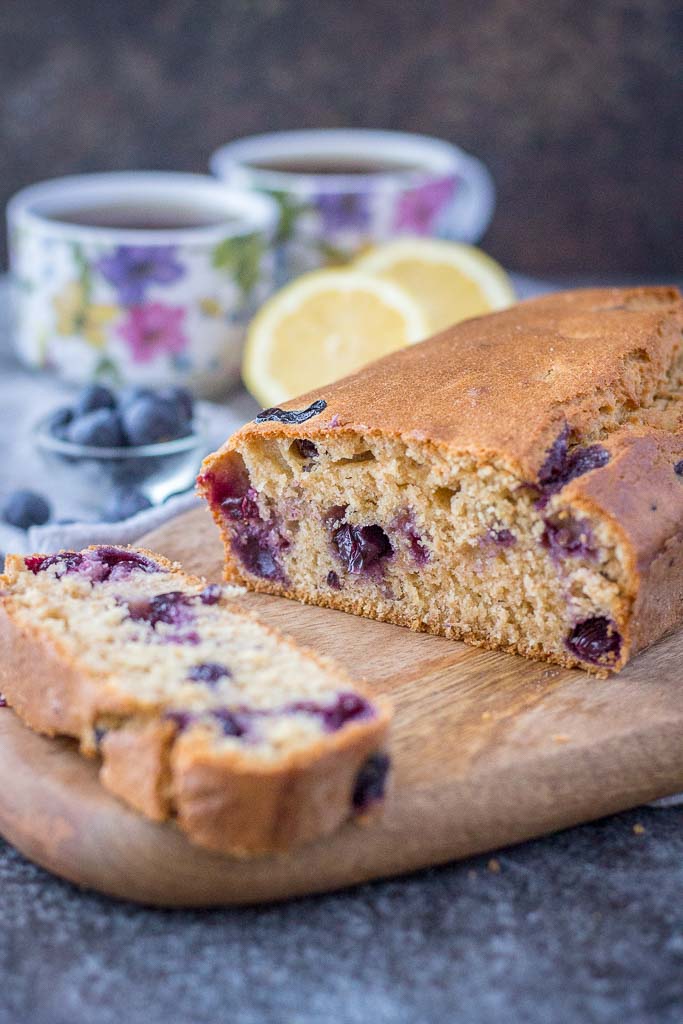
(323, 326)
(451, 281)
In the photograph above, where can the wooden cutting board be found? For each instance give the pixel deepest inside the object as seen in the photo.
(488, 750)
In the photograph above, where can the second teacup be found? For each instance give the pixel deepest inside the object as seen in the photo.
(340, 190)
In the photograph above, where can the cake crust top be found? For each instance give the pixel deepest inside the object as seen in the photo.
(504, 386)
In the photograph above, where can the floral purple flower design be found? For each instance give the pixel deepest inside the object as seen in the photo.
(153, 329)
(132, 268)
(343, 210)
(417, 210)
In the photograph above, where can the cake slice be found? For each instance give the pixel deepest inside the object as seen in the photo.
(198, 711)
(515, 482)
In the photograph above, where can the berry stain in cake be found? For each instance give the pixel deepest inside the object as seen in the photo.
(99, 566)
(568, 537)
(305, 449)
(405, 524)
(359, 548)
(595, 640)
(257, 542)
(500, 536)
(209, 672)
(370, 783)
(562, 465)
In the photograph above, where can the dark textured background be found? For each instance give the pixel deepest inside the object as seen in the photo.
(573, 104)
(584, 928)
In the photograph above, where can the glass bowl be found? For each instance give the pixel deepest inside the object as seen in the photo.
(88, 476)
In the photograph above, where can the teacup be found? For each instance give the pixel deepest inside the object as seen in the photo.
(139, 277)
(340, 191)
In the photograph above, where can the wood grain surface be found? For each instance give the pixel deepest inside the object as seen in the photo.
(488, 750)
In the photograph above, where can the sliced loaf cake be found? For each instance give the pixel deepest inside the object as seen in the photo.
(515, 482)
(198, 711)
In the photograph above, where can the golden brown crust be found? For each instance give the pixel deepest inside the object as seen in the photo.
(601, 364)
(252, 811)
(503, 385)
(135, 766)
(221, 802)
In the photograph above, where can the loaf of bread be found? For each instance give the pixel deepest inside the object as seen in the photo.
(515, 482)
(198, 711)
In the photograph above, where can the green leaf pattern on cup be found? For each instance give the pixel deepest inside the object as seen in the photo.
(241, 257)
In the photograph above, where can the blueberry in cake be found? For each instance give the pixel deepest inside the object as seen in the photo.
(198, 711)
(515, 482)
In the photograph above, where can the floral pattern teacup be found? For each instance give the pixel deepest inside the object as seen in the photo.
(340, 191)
(143, 304)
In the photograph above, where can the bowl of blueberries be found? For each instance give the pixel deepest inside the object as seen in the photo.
(116, 454)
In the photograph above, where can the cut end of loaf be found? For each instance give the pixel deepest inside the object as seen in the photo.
(510, 482)
(198, 711)
(459, 547)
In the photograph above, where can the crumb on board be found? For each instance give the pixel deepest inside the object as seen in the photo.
(638, 829)
(561, 737)
(494, 866)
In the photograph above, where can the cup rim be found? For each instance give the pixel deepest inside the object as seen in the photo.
(246, 211)
(433, 158)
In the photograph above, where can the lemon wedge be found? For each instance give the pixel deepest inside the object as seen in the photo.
(450, 281)
(322, 326)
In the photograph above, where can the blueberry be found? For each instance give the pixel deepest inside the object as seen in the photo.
(596, 641)
(95, 396)
(100, 428)
(129, 395)
(359, 547)
(24, 509)
(149, 420)
(371, 781)
(59, 421)
(126, 502)
(179, 397)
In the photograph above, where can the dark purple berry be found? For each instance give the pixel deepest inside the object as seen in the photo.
(93, 397)
(678, 468)
(98, 429)
(58, 423)
(360, 547)
(151, 420)
(100, 565)
(131, 394)
(3, 702)
(209, 672)
(501, 536)
(370, 782)
(348, 707)
(179, 397)
(561, 465)
(232, 723)
(173, 608)
(568, 537)
(211, 594)
(405, 523)
(257, 557)
(291, 415)
(596, 641)
(66, 561)
(181, 719)
(306, 449)
(25, 508)
(333, 580)
(241, 507)
(126, 502)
